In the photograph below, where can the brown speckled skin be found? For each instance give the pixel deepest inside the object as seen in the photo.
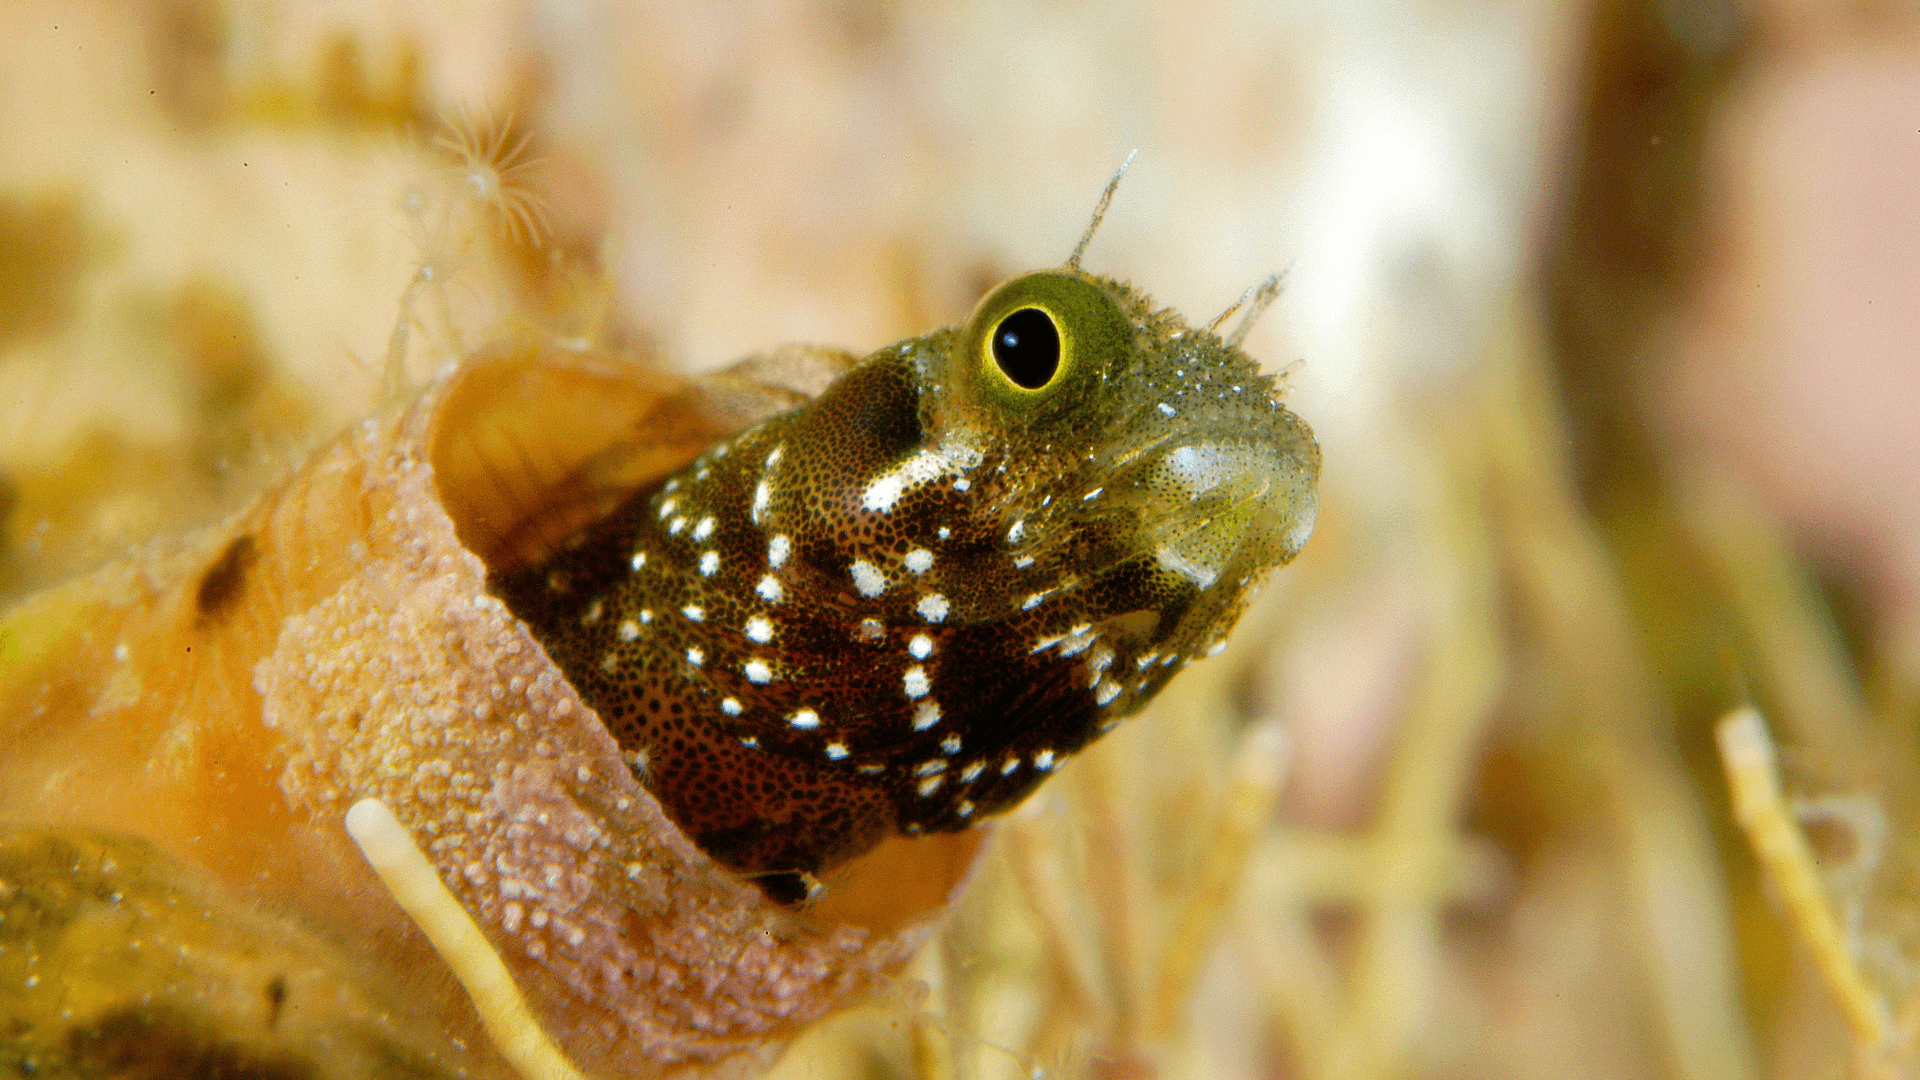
(895, 609)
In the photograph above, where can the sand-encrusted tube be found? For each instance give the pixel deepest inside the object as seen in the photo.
(228, 697)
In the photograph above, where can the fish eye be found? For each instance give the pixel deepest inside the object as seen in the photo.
(1040, 345)
(1026, 347)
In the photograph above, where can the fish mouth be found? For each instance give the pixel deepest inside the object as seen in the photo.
(1202, 513)
(1219, 509)
(1215, 507)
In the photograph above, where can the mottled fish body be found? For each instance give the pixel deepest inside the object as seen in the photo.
(897, 607)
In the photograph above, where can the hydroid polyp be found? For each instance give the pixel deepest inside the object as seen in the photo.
(494, 171)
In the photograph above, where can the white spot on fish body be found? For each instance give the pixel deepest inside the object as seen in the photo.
(930, 785)
(730, 706)
(950, 744)
(629, 630)
(769, 589)
(836, 751)
(762, 495)
(1043, 760)
(757, 671)
(804, 719)
(709, 562)
(696, 657)
(759, 629)
(932, 607)
(694, 613)
(927, 715)
(920, 647)
(704, 529)
(919, 560)
(916, 682)
(884, 492)
(778, 549)
(867, 578)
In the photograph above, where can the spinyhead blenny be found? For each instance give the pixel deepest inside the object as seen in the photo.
(898, 607)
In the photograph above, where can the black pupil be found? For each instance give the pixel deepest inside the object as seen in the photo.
(1026, 345)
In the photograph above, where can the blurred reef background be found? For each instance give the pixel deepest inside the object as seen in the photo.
(1597, 309)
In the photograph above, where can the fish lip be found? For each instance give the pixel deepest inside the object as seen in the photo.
(1211, 506)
